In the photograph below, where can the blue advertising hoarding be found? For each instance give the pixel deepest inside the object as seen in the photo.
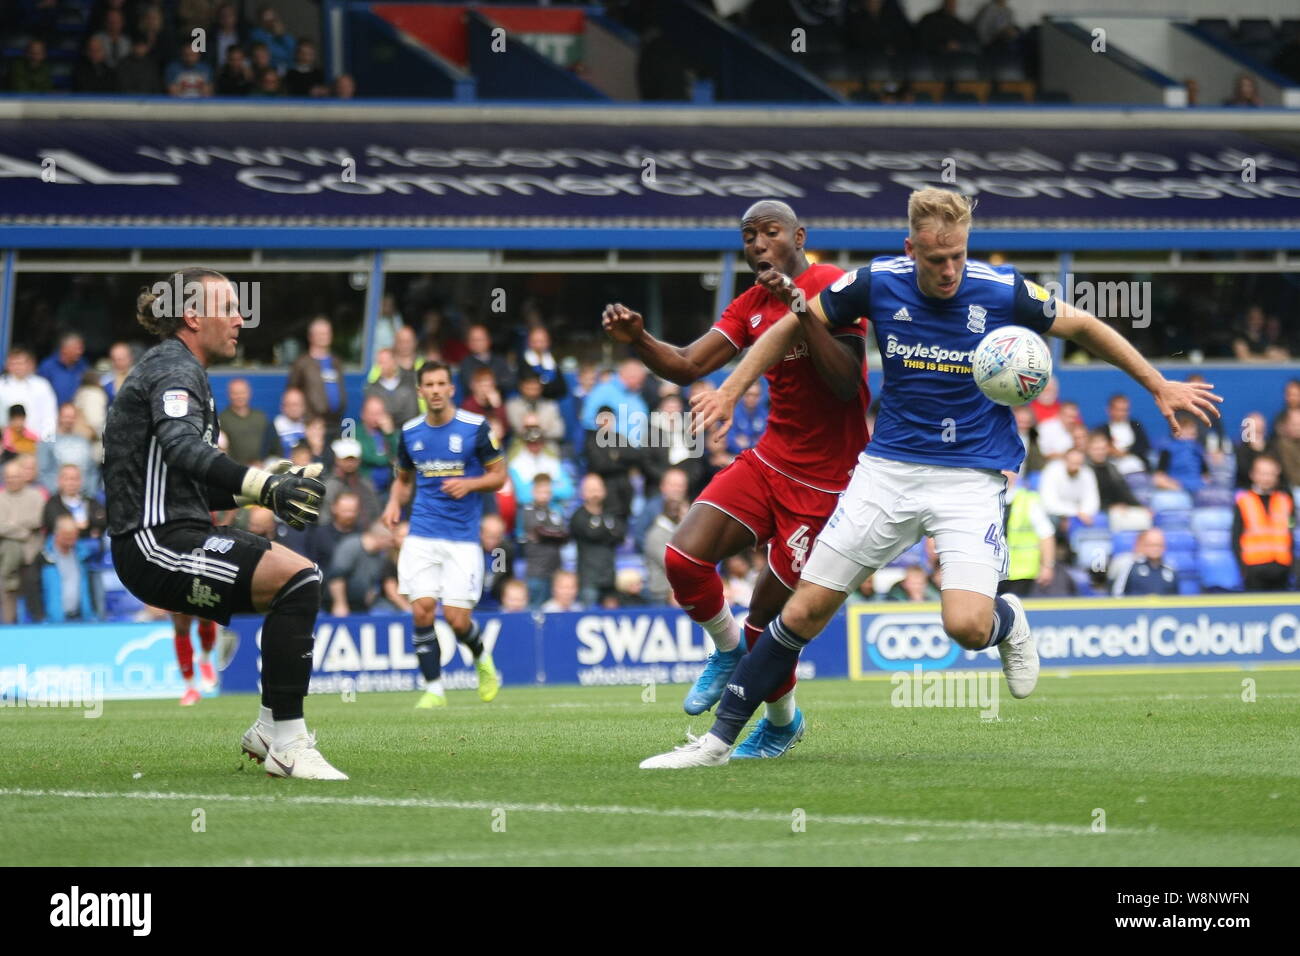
(1086, 632)
(658, 645)
(123, 661)
(443, 175)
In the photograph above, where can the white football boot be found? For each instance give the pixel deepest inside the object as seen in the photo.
(300, 759)
(705, 751)
(1019, 655)
(257, 741)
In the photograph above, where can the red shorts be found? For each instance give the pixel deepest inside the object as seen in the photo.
(785, 513)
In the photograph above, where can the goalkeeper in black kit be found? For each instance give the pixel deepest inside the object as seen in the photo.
(163, 475)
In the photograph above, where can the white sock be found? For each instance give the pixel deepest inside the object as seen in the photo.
(780, 712)
(265, 717)
(435, 686)
(723, 629)
(287, 730)
(715, 745)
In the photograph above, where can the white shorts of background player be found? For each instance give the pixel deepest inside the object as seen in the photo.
(447, 571)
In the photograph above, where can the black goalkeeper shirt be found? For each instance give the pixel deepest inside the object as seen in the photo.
(160, 445)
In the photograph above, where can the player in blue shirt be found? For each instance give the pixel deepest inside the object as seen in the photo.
(942, 455)
(445, 458)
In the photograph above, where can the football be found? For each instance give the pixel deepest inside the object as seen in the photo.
(1012, 365)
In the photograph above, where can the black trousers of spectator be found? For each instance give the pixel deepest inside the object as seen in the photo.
(29, 587)
(1265, 577)
(1022, 588)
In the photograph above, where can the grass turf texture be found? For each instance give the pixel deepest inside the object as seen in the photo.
(1185, 770)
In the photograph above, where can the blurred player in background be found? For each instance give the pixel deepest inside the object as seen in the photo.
(185, 656)
(445, 458)
(164, 475)
(781, 491)
(941, 457)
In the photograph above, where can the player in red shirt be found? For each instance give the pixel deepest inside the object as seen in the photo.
(781, 491)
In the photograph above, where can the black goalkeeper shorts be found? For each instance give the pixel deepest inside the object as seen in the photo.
(207, 572)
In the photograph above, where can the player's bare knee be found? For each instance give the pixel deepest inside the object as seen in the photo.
(971, 631)
(457, 617)
(809, 609)
(423, 611)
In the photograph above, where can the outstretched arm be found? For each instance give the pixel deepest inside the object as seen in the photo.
(838, 360)
(1101, 340)
(682, 366)
(771, 347)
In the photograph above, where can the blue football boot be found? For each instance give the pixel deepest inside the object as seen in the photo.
(712, 681)
(769, 741)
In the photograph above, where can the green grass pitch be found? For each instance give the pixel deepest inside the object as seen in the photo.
(1184, 770)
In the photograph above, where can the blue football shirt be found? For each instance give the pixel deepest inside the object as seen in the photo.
(462, 448)
(931, 410)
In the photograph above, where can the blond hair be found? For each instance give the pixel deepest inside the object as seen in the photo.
(941, 208)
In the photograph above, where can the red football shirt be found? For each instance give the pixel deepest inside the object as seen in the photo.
(811, 435)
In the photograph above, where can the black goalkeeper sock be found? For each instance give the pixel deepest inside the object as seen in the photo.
(428, 653)
(287, 642)
(472, 638)
(760, 672)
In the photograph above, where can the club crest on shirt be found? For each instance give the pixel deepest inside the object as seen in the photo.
(453, 444)
(975, 319)
(176, 403)
(418, 446)
(754, 320)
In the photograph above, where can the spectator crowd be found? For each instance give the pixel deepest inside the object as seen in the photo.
(602, 468)
(193, 48)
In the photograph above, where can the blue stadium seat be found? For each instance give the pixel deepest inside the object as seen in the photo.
(1214, 539)
(1032, 479)
(913, 555)
(1212, 519)
(1122, 541)
(1180, 541)
(1212, 496)
(1175, 520)
(1219, 571)
(1137, 479)
(1189, 583)
(1092, 548)
(1165, 500)
(1181, 561)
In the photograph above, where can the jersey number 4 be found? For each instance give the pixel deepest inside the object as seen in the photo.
(993, 537)
(798, 544)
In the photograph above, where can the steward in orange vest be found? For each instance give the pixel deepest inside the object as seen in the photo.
(1262, 528)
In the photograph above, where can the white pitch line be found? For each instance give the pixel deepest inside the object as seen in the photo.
(739, 816)
(451, 857)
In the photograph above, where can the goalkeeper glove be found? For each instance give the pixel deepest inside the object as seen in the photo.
(293, 493)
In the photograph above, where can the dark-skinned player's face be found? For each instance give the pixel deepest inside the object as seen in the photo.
(436, 389)
(771, 244)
